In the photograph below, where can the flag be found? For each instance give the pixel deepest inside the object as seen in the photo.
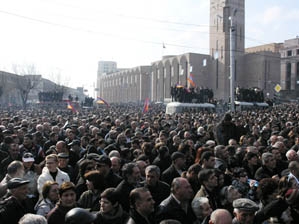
(71, 107)
(102, 101)
(146, 106)
(164, 45)
(191, 81)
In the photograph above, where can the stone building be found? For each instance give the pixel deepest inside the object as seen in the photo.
(260, 67)
(131, 85)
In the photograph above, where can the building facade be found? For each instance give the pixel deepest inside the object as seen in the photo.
(261, 67)
(290, 65)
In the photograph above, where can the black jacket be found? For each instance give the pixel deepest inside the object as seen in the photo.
(169, 174)
(170, 209)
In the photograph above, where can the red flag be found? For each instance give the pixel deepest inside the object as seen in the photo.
(146, 106)
(190, 80)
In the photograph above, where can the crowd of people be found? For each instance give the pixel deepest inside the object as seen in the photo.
(118, 165)
(186, 94)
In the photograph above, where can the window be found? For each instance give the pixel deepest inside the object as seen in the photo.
(297, 51)
(289, 53)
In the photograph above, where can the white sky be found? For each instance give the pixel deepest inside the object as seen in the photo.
(65, 39)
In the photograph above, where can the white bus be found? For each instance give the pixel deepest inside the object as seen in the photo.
(242, 105)
(176, 107)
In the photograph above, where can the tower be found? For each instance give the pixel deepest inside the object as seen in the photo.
(223, 15)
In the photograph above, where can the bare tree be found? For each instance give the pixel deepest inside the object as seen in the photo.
(28, 80)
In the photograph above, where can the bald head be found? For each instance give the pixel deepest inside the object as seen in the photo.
(220, 216)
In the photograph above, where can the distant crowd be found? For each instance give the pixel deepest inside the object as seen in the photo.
(118, 165)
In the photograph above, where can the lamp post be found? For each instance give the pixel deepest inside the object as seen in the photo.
(232, 61)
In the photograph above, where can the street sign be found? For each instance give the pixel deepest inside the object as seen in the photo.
(277, 88)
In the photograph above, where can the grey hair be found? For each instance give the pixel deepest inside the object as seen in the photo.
(153, 168)
(196, 205)
(33, 219)
(266, 156)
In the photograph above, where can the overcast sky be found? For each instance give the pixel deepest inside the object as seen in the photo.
(65, 39)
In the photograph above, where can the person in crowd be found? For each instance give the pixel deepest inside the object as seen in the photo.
(51, 172)
(207, 160)
(250, 164)
(227, 195)
(63, 165)
(244, 211)
(226, 130)
(202, 210)
(67, 201)
(131, 175)
(220, 216)
(177, 206)
(175, 169)
(29, 146)
(49, 199)
(141, 207)
(159, 189)
(116, 165)
(33, 219)
(96, 185)
(13, 154)
(14, 207)
(209, 184)
(14, 169)
(79, 216)
(163, 159)
(294, 172)
(32, 171)
(192, 176)
(85, 165)
(111, 210)
(103, 164)
(267, 170)
(221, 157)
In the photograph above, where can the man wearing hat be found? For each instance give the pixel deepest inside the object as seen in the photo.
(74, 152)
(14, 207)
(103, 164)
(63, 165)
(175, 169)
(244, 211)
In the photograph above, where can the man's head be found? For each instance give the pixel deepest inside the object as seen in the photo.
(141, 200)
(220, 216)
(115, 164)
(18, 188)
(103, 164)
(268, 160)
(244, 210)
(52, 162)
(131, 173)
(294, 168)
(181, 189)
(152, 175)
(292, 155)
(207, 160)
(178, 160)
(208, 178)
(201, 207)
(221, 152)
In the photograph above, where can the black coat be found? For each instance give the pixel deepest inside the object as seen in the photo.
(11, 210)
(169, 174)
(124, 189)
(159, 192)
(170, 209)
